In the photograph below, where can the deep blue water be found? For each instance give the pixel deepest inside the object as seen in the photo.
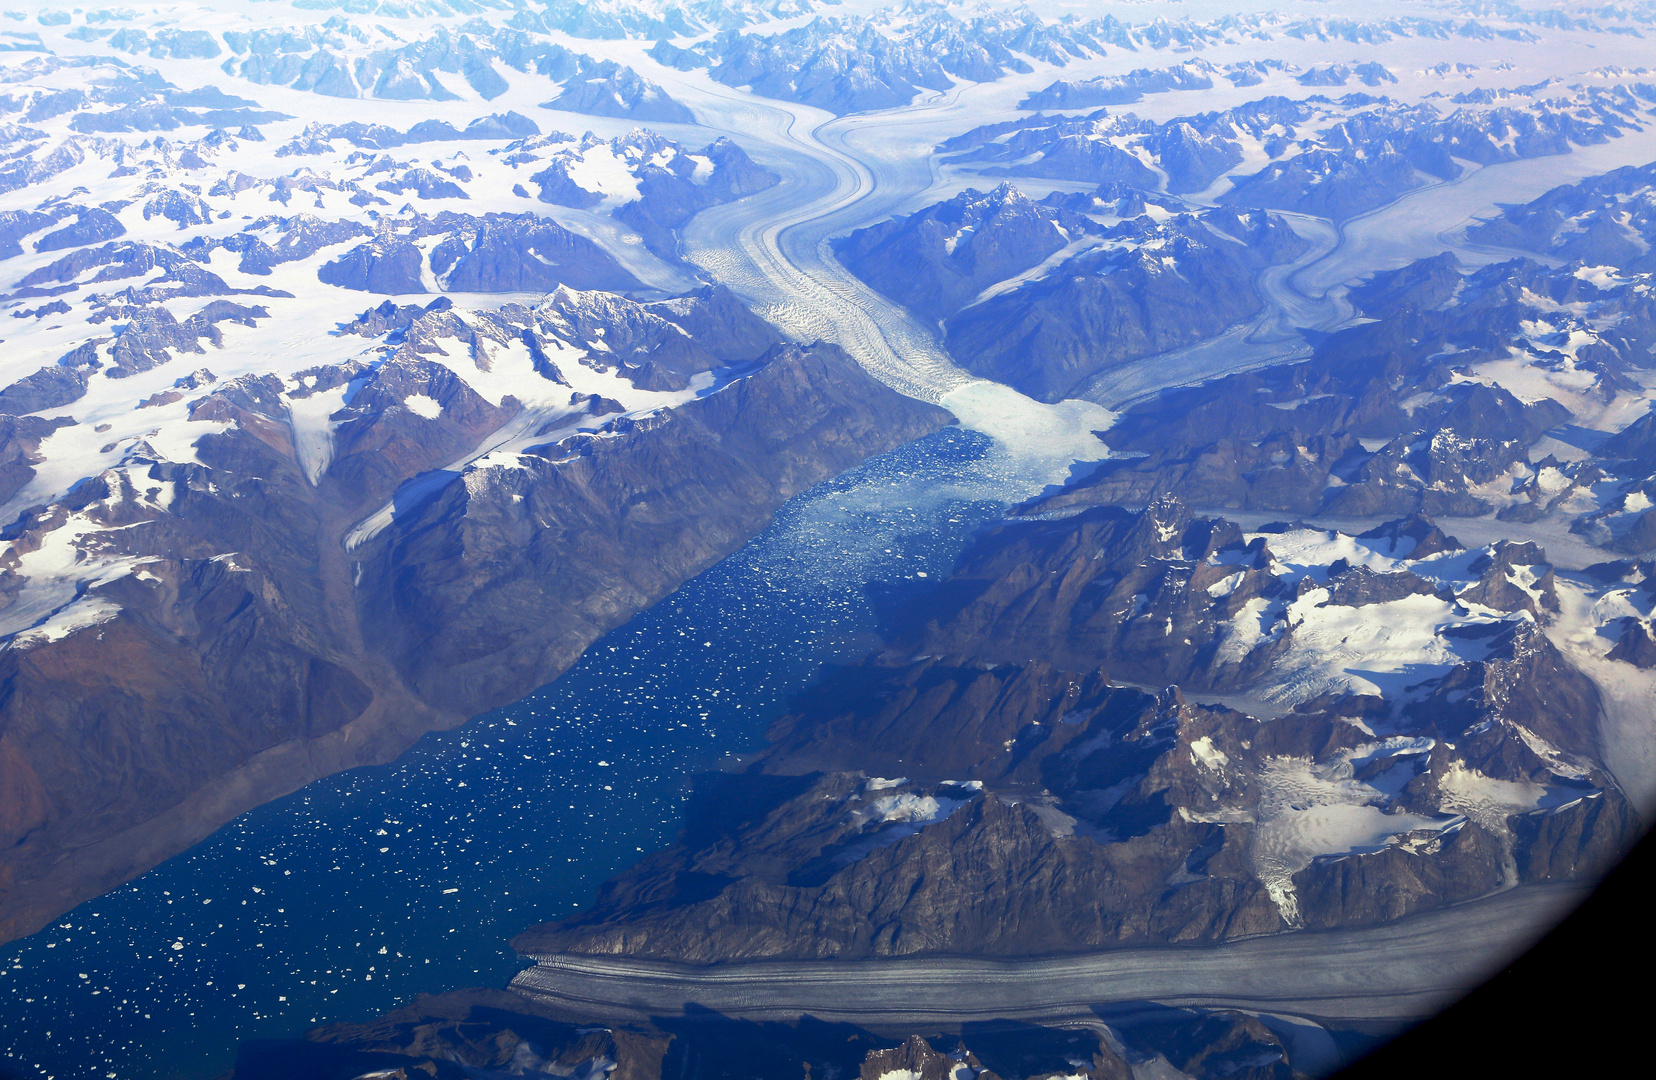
(354, 894)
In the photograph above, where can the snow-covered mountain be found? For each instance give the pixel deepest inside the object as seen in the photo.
(366, 361)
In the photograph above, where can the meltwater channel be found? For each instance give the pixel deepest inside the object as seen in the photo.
(362, 890)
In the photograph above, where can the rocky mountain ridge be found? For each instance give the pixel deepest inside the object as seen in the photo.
(1603, 221)
(1332, 158)
(229, 563)
(1331, 435)
(855, 64)
(1145, 817)
(1046, 296)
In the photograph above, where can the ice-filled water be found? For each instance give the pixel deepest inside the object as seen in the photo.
(365, 889)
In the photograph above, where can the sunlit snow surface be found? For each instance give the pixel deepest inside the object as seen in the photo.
(349, 897)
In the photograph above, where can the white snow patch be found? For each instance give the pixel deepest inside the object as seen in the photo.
(1205, 754)
(1486, 800)
(424, 405)
(1307, 810)
(600, 170)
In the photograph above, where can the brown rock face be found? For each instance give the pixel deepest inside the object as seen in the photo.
(914, 1058)
(502, 580)
(991, 879)
(1426, 870)
(1637, 644)
(1107, 583)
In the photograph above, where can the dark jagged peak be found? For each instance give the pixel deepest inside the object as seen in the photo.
(1424, 283)
(1359, 586)
(713, 314)
(1635, 444)
(648, 181)
(20, 438)
(385, 264)
(1114, 200)
(91, 225)
(1161, 531)
(496, 126)
(1522, 712)
(1254, 72)
(1148, 595)
(917, 1058)
(1142, 287)
(1636, 644)
(487, 253)
(1369, 74)
(1607, 220)
(1513, 577)
(390, 317)
(605, 88)
(15, 225)
(268, 242)
(1372, 74)
(663, 344)
(1193, 74)
(180, 279)
(423, 182)
(179, 207)
(520, 253)
(939, 259)
(665, 53)
(154, 334)
(1413, 537)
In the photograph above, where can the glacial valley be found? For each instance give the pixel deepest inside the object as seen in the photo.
(775, 537)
